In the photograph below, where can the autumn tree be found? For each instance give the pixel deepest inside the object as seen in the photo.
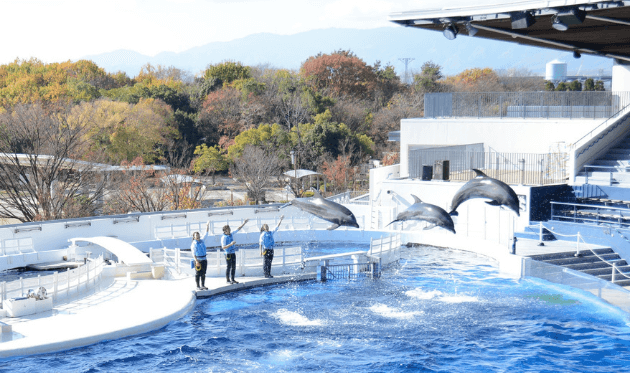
(41, 175)
(339, 171)
(340, 73)
(256, 168)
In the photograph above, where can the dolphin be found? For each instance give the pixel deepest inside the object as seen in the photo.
(325, 209)
(433, 214)
(483, 186)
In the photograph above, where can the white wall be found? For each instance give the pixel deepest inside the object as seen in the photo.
(620, 77)
(511, 135)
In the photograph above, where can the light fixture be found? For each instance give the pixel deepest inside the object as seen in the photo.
(558, 25)
(220, 213)
(131, 219)
(450, 32)
(472, 30)
(521, 20)
(577, 54)
(180, 216)
(80, 224)
(268, 209)
(571, 16)
(27, 229)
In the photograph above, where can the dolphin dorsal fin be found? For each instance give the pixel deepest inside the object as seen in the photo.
(416, 199)
(479, 173)
(316, 193)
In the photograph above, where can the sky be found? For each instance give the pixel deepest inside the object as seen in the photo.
(61, 30)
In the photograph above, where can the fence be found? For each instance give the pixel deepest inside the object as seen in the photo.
(216, 227)
(248, 261)
(511, 168)
(525, 104)
(59, 285)
(386, 249)
(593, 214)
(357, 197)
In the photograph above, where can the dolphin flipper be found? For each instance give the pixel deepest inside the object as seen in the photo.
(430, 226)
(453, 213)
(493, 203)
(332, 227)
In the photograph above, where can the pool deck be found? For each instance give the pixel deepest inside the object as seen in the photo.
(121, 309)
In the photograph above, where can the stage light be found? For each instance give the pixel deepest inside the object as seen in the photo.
(450, 32)
(558, 25)
(472, 30)
(521, 20)
(576, 54)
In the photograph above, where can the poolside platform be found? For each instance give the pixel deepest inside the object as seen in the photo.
(121, 309)
(528, 247)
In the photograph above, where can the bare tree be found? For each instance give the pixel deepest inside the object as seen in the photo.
(41, 176)
(256, 168)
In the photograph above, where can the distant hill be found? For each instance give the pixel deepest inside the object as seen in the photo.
(386, 44)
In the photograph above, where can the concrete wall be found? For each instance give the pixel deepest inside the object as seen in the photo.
(511, 135)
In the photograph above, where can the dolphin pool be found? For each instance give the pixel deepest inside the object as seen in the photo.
(438, 311)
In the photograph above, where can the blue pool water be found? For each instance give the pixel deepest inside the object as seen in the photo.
(439, 311)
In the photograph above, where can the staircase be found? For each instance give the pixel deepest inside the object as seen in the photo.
(590, 264)
(613, 168)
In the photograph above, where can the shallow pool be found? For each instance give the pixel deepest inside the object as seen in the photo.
(440, 311)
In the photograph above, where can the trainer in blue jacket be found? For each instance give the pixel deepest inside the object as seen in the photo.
(266, 244)
(198, 248)
(227, 244)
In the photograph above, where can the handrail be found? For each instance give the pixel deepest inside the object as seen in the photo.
(575, 144)
(580, 238)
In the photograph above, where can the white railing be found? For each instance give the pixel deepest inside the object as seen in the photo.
(306, 222)
(386, 248)
(17, 246)
(248, 261)
(59, 285)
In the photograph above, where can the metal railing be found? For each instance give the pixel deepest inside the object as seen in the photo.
(248, 261)
(593, 214)
(544, 105)
(357, 197)
(511, 168)
(59, 285)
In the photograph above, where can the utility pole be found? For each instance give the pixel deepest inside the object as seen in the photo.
(406, 60)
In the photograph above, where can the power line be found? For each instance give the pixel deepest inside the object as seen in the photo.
(406, 60)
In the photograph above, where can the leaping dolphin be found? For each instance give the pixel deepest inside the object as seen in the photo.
(325, 209)
(433, 214)
(483, 186)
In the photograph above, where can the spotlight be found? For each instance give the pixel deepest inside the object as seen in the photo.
(558, 25)
(472, 30)
(576, 54)
(571, 16)
(521, 20)
(450, 32)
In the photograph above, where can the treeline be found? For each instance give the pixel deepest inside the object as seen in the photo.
(334, 113)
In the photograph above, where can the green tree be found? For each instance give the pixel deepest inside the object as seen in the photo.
(226, 72)
(599, 86)
(562, 86)
(427, 80)
(575, 86)
(209, 160)
(589, 84)
(549, 86)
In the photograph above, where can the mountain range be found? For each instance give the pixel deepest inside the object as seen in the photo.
(385, 44)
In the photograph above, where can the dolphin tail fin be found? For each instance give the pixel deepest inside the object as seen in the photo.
(453, 213)
(479, 173)
(332, 227)
(393, 221)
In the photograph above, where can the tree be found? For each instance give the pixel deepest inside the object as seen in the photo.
(41, 176)
(210, 160)
(339, 172)
(427, 80)
(589, 84)
(599, 86)
(255, 168)
(549, 86)
(562, 86)
(123, 131)
(226, 72)
(340, 73)
(575, 86)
